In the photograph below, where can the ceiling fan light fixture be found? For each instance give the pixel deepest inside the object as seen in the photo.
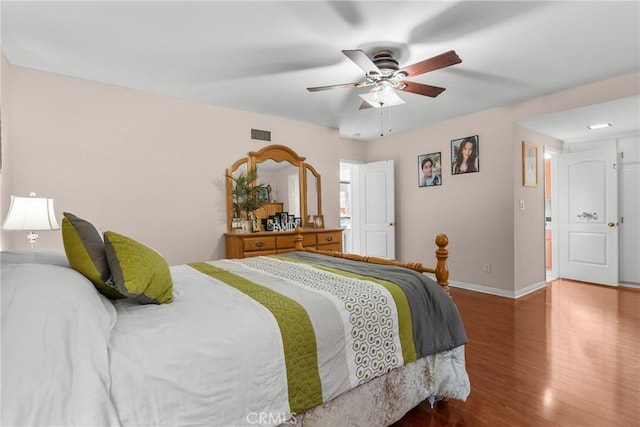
(381, 96)
(382, 71)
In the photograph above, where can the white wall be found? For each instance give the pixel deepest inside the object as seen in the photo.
(148, 166)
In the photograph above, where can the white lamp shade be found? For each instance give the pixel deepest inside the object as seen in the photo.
(382, 96)
(30, 213)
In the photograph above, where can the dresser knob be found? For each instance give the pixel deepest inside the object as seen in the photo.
(260, 244)
(329, 239)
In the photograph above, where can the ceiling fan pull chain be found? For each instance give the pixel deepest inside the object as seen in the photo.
(381, 126)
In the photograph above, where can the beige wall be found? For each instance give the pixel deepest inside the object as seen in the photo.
(480, 211)
(144, 165)
(528, 246)
(474, 210)
(152, 167)
(5, 119)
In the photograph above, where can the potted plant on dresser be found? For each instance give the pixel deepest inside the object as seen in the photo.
(245, 193)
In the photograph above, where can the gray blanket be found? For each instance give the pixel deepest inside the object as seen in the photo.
(437, 325)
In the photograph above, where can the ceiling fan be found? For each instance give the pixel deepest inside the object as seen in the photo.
(383, 73)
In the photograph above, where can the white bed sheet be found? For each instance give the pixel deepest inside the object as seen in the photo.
(55, 335)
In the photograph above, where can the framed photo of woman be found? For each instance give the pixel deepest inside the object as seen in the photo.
(429, 170)
(465, 155)
(284, 217)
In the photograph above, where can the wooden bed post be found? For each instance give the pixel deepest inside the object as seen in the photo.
(442, 253)
(297, 239)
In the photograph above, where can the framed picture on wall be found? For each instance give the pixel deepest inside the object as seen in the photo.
(263, 194)
(529, 164)
(465, 155)
(429, 170)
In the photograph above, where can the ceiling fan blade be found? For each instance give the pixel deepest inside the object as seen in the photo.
(319, 88)
(421, 89)
(441, 61)
(365, 105)
(363, 61)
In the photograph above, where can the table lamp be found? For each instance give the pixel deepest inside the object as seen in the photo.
(31, 213)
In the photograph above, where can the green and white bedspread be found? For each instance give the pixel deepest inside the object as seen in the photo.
(343, 322)
(259, 341)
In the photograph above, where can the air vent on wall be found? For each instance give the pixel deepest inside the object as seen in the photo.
(262, 135)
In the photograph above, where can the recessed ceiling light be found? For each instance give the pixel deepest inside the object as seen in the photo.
(600, 126)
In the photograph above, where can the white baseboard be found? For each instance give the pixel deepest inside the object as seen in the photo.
(529, 289)
(498, 292)
(630, 285)
(518, 294)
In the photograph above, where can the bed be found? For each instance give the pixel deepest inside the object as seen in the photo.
(301, 338)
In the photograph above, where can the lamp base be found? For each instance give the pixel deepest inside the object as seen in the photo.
(32, 239)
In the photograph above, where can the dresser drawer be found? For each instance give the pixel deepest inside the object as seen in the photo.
(285, 242)
(329, 238)
(262, 243)
(288, 242)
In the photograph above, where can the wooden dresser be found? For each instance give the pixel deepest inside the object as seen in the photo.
(243, 245)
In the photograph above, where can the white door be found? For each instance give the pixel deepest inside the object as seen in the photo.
(377, 219)
(588, 219)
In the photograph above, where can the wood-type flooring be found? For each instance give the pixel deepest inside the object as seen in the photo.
(567, 355)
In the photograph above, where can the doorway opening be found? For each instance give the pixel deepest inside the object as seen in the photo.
(348, 184)
(551, 213)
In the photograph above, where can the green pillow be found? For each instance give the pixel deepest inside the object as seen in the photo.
(84, 247)
(137, 271)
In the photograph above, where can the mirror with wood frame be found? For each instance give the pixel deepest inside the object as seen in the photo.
(292, 185)
(313, 192)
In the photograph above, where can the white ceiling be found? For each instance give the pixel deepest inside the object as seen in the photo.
(571, 125)
(261, 56)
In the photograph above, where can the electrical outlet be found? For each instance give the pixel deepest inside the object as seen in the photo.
(487, 267)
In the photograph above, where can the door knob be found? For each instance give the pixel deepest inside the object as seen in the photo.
(612, 224)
